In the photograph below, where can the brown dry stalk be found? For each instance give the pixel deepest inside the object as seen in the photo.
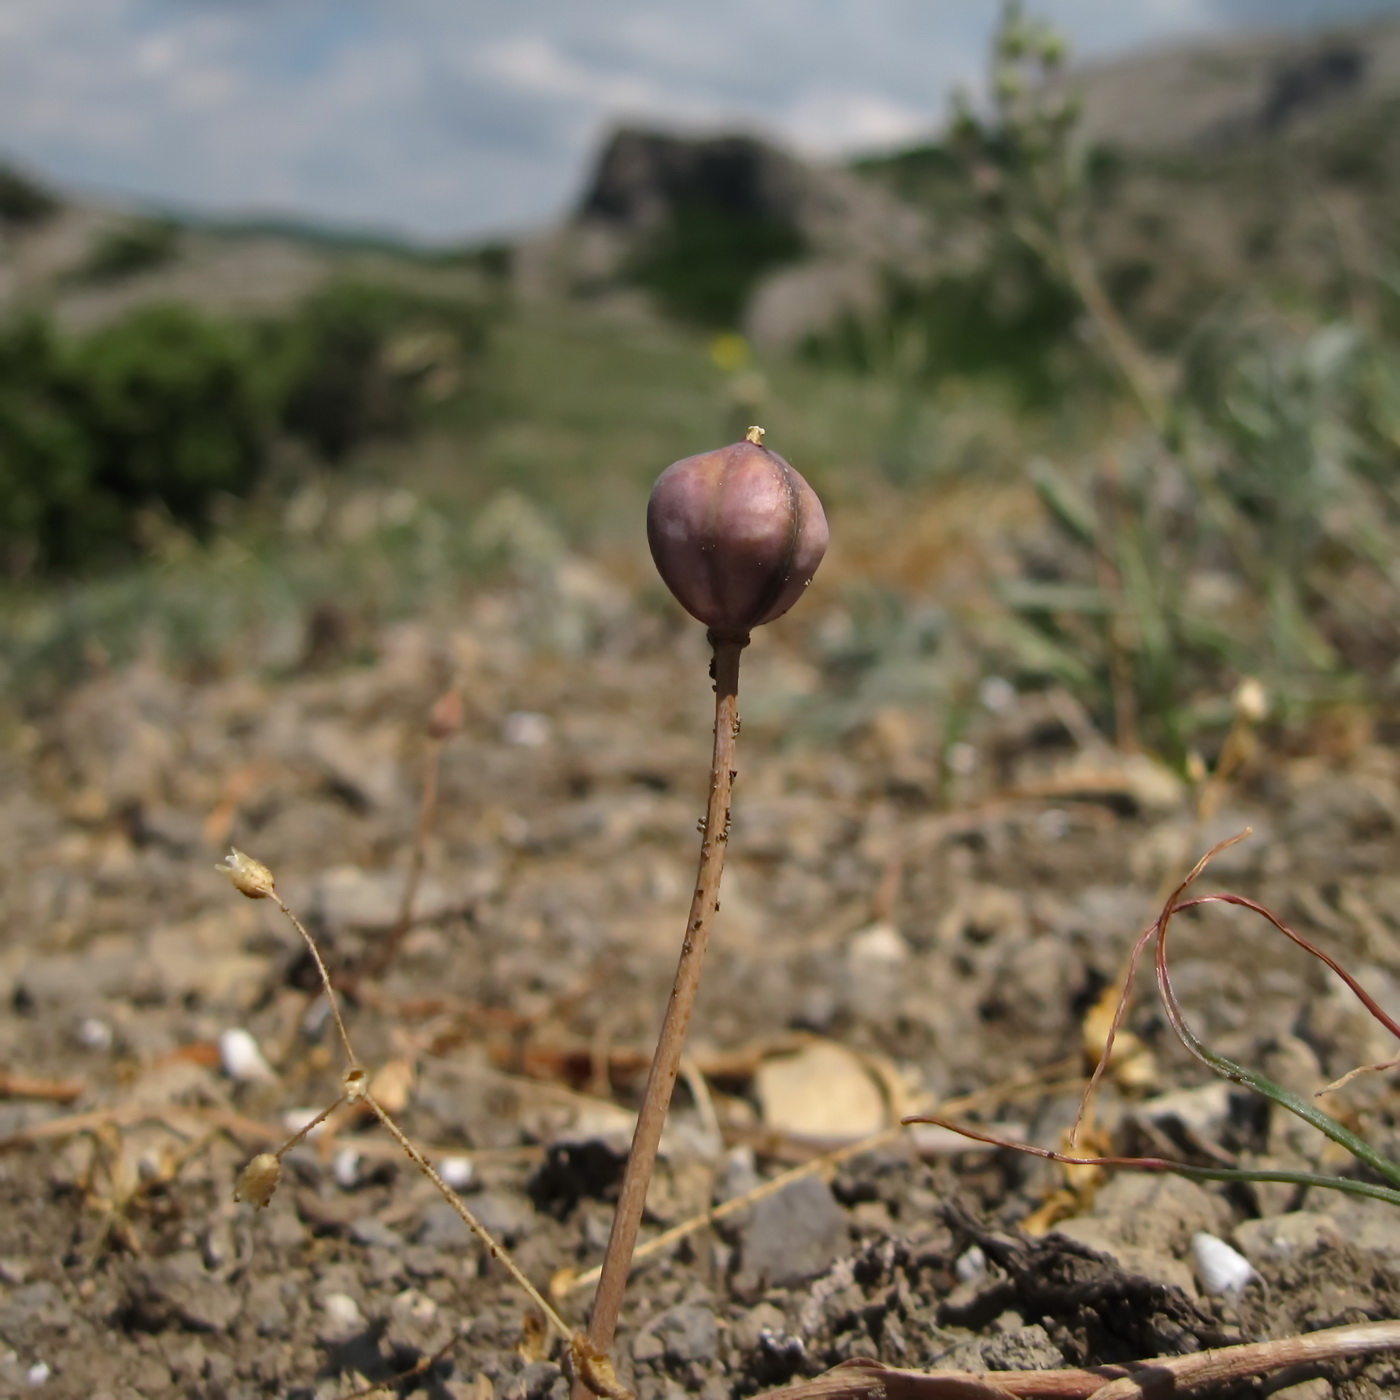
(567, 1284)
(445, 720)
(865, 1379)
(617, 1262)
(16, 1085)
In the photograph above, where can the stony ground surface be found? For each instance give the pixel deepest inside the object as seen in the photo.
(892, 934)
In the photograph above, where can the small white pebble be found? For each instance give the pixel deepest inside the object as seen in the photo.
(295, 1119)
(971, 1264)
(242, 1058)
(415, 1306)
(527, 730)
(961, 759)
(38, 1373)
(343, 1318)
(997, 694)
(1222, 1269)
(457, 1172)
(347, 1168)
(94, 1034)
(878, 944)
(1053, 823)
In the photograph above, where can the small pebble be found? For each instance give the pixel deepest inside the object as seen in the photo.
(347, 1168)
(94, 1034)
(961, 759)
(38, 1373)
(997, 694)
(1222, 1269)
(242, 1058)
(527, 730)
(343, 1318)
(971, 1264)
(457, 1172)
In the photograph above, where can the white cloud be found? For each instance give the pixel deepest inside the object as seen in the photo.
(446, 118)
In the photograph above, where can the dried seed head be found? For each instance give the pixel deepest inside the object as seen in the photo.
(1251, 701)
(250, 877)
(736, 535)
(258, 1180)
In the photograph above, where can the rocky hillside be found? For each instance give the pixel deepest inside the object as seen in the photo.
(1266, 160)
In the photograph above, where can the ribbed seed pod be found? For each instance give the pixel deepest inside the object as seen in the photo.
(736, 534)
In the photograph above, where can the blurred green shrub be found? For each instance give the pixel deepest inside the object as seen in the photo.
(703, 262)
(24, 200)
(1006, 319)
(361, 359)
(166, 410)
(140, 245)
(161, 410)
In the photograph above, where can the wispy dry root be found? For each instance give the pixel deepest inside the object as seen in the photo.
(866, 1379)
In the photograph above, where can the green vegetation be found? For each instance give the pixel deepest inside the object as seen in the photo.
(23, 200)
(160, 414)
(140, 245)
(703, 263)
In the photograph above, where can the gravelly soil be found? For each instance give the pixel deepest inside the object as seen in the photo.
(952, 931)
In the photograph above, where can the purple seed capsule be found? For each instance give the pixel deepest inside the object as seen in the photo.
(736, 535)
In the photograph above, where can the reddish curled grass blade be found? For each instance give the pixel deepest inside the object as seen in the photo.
(1261, 1084)
(1120, 1012)
(1164, 1164)
(1360, 992)
(1276, 1093)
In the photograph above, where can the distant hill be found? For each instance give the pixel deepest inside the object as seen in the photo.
(87, 260)
(1258, 161)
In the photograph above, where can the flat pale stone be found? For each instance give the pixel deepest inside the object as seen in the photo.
(823, 1091)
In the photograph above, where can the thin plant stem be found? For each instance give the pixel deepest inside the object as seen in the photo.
(617, 1261)
(383, 955)
(309, 1126)
(725, 1209)
(351, 1058)
(495, 1250)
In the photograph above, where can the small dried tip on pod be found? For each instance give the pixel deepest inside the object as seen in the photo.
(736, 535)
(258, 1180)
(249, 877)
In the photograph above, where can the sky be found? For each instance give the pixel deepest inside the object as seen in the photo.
(458, 119)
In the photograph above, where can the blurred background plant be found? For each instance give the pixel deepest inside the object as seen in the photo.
(1092, 419)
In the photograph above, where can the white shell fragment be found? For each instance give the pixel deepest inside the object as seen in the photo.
(1221, 1269)
(242, 1058)
(457, 1172)
(971, 1264)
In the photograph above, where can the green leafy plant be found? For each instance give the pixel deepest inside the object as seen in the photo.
(161, 410)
